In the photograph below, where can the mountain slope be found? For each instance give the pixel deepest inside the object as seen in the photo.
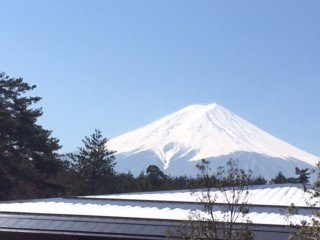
(177, 141)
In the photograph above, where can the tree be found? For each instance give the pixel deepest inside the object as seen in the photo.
(281, 179)
(155, 176)
(29, 161)
(231, 187)
(95, 164)
(303, 175)
(126, 182)
(308, 229)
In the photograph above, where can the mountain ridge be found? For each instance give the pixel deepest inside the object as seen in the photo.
(201, 131)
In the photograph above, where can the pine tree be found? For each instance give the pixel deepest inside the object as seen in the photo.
(155, 175)
(95, 164)
(303, 175)
(28, 154)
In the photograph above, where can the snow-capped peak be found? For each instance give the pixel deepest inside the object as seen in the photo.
(201, 131)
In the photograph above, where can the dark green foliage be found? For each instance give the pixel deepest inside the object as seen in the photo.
(155, 176)
(281, 179)
(126, 182)
(260, 180)
(154, 173)
(94, 164)
(156, 180)
(29, 162)
(303, 175)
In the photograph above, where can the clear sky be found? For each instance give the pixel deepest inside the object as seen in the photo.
(118, 65)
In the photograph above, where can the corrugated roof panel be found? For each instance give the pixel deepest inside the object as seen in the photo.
(67, 226)
(78, 226)
(31, 223)
(55, 225)
(114, 228)
(155, 210)
(3, 221)
(280, 194)
(11, 222)
(162, 205)
(89, 227)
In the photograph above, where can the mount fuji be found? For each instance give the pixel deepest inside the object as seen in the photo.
(178, 141)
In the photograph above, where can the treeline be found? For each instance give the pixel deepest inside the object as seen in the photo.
(91, 171)
(31, 166)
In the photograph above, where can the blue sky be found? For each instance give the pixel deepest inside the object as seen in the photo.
(118, 65)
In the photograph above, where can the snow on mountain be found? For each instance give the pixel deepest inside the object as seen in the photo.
(176, 142)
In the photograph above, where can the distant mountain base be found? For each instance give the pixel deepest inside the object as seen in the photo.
(260, 164)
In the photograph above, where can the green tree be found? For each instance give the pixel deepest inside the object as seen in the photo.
(279, 179)
(29, 162)
(231, 185)
(303, 175)
(155, 177)
(308, 229)
(95, 164)
(125, 182)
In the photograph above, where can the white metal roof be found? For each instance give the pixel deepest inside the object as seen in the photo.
(275, 195)
(269, 205)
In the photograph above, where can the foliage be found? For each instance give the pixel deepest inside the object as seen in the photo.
(232, 184)
(303, 175)
(155, 175)
(29, 162)
(281, 179)
(94, 164)
(308, 230)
